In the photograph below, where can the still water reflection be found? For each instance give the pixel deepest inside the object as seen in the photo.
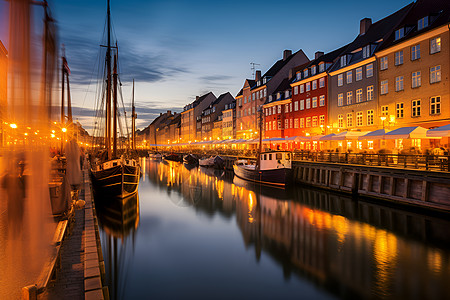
(201, 233)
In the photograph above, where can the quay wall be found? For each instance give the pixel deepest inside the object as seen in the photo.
(413, 187)
(420, 188)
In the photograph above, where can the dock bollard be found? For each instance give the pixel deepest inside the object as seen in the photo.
(29, 292)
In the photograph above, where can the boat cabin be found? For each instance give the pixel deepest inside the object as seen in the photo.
(275, 160)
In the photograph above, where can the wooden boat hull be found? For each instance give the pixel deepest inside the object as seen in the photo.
(277, 177)
(118, 181)
(190, 159)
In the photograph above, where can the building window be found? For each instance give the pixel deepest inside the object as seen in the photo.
(322, 100)
(274, 109)
(270, 125)
(369, 70)
(399, 58)
(349, 77)
(253, 96)
(295, 123)
(343, 61)
(422, 23)
(296, 105)
(302, 104)
(383, 63)
(314, 102)
(305, 73)
(435, 45)
(340, 121)
(286, 108)
(415, 52)
(279, 125)
(384, 87)
(253, 110)
(399, 107)
(308, 103)
(399, 33)
(359, 118)
(435, 74)
(370, 117)
(314, 122)
(314, 84)
(349, 98)
(295, 90)
(321, 67)
(308, 122)
(322, 82)
(265, 92)
(302, 122)
(274, 125)
(340, 99)
(370, 92)
(399, 83)
(366, 51)
(340, 79)
(435, 105)
(279, 109)
(359, 96)
(322, 120)
(385, 110)
(308, 86)
(286, 124)
(416, 79)
(349, 119)
(358, 74)
(415, 108)
(302, 88)
(313, 70)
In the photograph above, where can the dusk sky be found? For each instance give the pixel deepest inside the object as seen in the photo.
(176, 50)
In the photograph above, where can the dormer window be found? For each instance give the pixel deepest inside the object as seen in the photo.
(343, 61)
(399, 33)
(305, 73)
(366, 51)
(299, 76)
(259, 82)
(422, 23)
(270, 98)
(321, 67)
(278, 96)
(313, 70)
(264, 80)
(286, 95)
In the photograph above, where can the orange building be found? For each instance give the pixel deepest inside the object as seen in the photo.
(3, 86)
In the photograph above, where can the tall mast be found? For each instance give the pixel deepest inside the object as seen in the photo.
(108, 87)
(115, 108)
(133, 122)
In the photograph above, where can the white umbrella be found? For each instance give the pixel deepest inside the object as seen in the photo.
(374, 135)
(413, 132)
(348, 135)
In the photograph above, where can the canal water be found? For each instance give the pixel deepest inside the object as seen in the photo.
(205, 234)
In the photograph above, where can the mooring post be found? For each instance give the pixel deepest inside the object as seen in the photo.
(29, 292)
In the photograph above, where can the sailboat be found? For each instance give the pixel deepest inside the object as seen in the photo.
(271, 168)
(113, 175)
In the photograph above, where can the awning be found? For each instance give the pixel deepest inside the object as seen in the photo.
(316, 137)
(443, 131)
(348, 135)
(374, 135)
(328, 137)
(413, 132)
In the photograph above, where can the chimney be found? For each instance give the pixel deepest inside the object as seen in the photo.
(169, 112)
(286, 54)
(364, 25)
(318, 54)
(258, 75)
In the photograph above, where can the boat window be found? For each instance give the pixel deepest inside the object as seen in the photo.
(114, 164)
(288, 156)
(279, 156)
(262, 156)
(270, 156)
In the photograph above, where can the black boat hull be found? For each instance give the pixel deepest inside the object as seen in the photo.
(277, 177)
(118, 181)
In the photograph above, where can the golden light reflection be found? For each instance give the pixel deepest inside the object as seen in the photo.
(434, 260)
(385, 255)
(251, 202)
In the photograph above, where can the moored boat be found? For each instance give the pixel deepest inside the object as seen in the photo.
(190, 159)
(212, 162)
(173, 157)
(273, 168)
(155, 155)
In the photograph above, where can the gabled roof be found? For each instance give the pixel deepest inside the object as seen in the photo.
(201, 98)
(176, 119)
(437, 10)
(221, 98)
(283, 86)
(240, 93)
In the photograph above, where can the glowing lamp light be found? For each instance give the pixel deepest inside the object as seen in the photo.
(64, 129)
(13, 125)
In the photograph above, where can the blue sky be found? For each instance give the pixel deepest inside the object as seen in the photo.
(179, 49)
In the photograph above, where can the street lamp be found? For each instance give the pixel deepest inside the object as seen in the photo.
(383, 118)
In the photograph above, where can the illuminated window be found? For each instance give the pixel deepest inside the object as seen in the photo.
(384, 87)
(435, 45)
(349, 77)
(296, 123)
(435, 105)
(296, 105)
(302, 88)
(274, 125)
(435, 74)
(359, 96)
(279, 125)
(290, 122)
(286, 124)
(349, 119)
(415, 108)
(302, 122)
(322, 100)
(295, 90)
(308, 86)
(340, 99)
(340, 121)
(322, 120)
(286, 108)
(369, 70)
(399, 108)
(314, 102)
(359, 118)
(340, 79)
(308, 103)
(358, 74)
(308, 122)
(399, 83)
(370, 144)
(314, 122)
(349, 98)
(279, 109)
(370, 117)
(385, 110)
(302, 104)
